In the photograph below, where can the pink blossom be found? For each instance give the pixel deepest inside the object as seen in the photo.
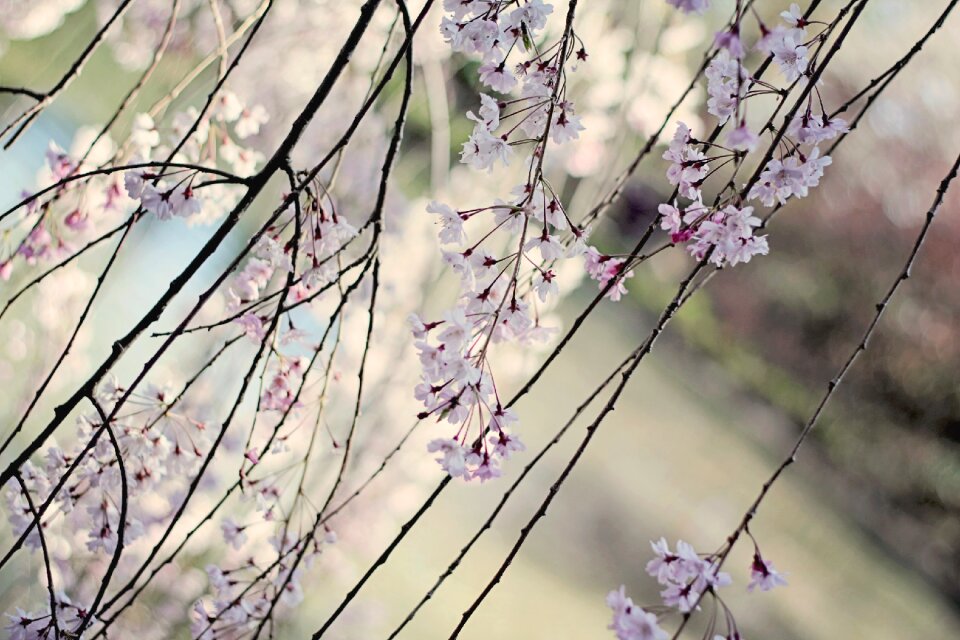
(763, 575)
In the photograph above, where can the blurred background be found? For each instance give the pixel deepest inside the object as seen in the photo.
(867, 525)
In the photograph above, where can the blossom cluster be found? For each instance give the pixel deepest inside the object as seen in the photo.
(280, 394)
(195, 141)
(686, 577)
(71, 210)
(159, 448)
(325, 234)
(51, 227)
(725, 232)
(684, 573)
(39, 625)
(631, 622)
(244, 596)
(505, 253)
(490, 29)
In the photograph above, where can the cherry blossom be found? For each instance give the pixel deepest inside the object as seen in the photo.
(176, 201)
(484, 149)
(794, 16)
(495, 75)
(685, 574)
(727, 84)
(763, 575)
(689, 165)
(630, 622)
(604, 268)
(742, 138)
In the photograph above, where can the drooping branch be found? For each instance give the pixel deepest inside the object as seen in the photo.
(25, 119)
(835, 381)
(255, 186)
